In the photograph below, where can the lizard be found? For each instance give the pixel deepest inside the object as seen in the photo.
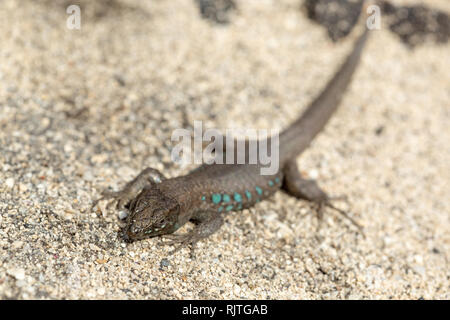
(159, 206)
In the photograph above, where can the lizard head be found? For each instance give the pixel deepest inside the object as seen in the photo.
(151, 214)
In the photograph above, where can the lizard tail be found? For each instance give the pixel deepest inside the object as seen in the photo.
(299, 135)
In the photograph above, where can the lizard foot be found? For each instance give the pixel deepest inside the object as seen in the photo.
(122, 198)
(320, 207)
(181, 240)
(207, 224)
(306, 189)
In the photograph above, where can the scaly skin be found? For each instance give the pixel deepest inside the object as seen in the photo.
(160, 206)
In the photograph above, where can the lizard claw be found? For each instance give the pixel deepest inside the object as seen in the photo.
(328, 203)
(345, 215)
(118, 198)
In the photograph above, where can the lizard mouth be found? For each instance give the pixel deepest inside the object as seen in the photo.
(129, 237)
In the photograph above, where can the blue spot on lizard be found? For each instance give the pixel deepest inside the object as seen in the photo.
(216, 198)
(226, 198)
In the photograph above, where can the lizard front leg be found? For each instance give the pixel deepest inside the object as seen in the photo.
(206, 223)
(123, 197)
(301, 188)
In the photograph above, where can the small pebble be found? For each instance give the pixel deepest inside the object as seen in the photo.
(123, 214)
(164, 263)
(9, 183)
(17, 273)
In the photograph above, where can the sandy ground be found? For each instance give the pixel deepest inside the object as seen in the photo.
(84, 110)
